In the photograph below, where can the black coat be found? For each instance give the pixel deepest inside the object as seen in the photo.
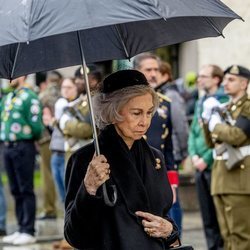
(90, 224)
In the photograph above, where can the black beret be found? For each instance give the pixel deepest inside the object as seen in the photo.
(122, 79)
(91, 69)
(238, 71)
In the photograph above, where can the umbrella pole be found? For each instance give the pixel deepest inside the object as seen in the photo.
(107, 201)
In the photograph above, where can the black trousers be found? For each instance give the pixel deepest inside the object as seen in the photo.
(208, 213)
(19, 161)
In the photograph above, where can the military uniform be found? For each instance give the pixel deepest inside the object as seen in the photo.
(159, 135)
(76, 125)
(21, 124)
(160, 131)
(231, 187)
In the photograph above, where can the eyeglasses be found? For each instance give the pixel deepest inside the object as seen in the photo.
(204, 76)
(67, 87)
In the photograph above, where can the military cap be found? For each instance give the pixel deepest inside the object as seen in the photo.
(122, 79)
(91, 69)
(238, 71)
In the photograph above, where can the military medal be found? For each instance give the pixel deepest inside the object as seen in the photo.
(158, 163)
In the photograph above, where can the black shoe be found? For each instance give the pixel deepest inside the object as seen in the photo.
(2, 232)
(46, 217)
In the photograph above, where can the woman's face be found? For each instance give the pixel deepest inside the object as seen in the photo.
(68, 89)
(137, 115)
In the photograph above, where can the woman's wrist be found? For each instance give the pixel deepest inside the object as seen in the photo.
(91, 190)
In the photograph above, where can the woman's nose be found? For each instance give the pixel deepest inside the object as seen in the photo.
(144, 120)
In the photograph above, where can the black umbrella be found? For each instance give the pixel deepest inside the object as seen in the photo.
(40, 35)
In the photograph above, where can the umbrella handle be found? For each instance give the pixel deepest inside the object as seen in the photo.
(107, 201)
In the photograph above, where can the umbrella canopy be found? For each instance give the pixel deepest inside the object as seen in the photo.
(40, 35)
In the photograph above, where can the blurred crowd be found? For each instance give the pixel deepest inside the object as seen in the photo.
(53, 120)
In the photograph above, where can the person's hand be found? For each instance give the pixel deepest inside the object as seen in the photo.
(97, 173)
(195, 158)
(63, 120)
(208, 105)
(200, 165)
(155, 226)
(173, 187)
(214, 120)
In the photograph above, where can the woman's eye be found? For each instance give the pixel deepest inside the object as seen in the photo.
(136, 113)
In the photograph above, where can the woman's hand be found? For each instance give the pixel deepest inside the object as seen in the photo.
(97, 173)
(155, 226)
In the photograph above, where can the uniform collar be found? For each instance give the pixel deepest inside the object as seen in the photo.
(238, 103)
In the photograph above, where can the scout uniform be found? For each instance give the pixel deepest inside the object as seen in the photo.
(20, 116)
(21, 124)
(230, 185)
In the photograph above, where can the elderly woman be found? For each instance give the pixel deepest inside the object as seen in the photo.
(123, 108)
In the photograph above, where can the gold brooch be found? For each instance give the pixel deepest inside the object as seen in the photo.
(158, 163)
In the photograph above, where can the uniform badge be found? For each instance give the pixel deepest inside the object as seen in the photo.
(16, 115)
(35, 109)
(26, 130)
(24, 95)
(12, 137)
(34, 118)
(233, 108)
(34, 101)
(234, 70)
(84, 104)
(18, 101)
(158, 163)
(15, 127)
(162, 113)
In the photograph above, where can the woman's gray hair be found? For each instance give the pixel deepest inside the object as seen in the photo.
(107, 106)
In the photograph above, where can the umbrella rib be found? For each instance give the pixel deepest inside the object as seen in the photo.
(123, 44)
(14, 64)
(28, 22)
(214, 27)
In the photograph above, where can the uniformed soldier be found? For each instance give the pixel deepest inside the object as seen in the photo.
(159, 134)
(75, 121)
(209, 80)
(230, 133)
(21, 125)
(76, 125)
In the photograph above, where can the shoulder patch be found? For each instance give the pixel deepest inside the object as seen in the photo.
(164, 97)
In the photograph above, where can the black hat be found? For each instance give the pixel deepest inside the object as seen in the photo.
(238, 71)
(122, 79)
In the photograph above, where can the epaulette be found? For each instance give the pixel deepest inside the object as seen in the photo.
(164, 97)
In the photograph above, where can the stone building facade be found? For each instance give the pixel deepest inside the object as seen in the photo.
(233, 49)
